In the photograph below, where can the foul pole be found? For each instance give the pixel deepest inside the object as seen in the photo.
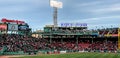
(119, 38)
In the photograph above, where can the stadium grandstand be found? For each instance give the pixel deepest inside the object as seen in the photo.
(70, 40)
(16, 38)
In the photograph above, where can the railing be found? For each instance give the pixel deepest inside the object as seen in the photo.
(72, 33)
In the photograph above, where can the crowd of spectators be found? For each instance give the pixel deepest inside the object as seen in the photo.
(108, 31)
(15, 43)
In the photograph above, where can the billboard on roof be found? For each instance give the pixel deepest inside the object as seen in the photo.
(3, 26)
(12, 27)
(23, 27)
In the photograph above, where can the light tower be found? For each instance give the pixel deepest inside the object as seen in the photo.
(55, 4)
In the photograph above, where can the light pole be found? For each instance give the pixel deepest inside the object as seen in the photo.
(55, 4)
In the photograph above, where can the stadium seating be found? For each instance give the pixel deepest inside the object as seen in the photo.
(20, 44)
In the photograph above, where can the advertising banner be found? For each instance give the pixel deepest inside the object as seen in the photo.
(108, 35)
(114, 35)
(73, 24)
(12, 27)
(23, 27)
(3, 26)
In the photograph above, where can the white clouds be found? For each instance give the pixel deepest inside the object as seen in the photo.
(23, 3)
(14, 9)
(106, 10)
(20, 6)
(89, 3)
(99, 7)
(116, 5)
(33, 2)
(109, 20)
(38, 12)
(101, 26)
(102, 19)
(106, 21)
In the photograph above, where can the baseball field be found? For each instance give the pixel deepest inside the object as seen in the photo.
(72, 55)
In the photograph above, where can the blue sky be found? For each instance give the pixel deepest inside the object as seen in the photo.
(38, 13)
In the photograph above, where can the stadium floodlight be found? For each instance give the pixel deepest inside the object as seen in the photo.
(56, 4)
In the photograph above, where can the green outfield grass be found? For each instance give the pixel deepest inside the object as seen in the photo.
(77, 55)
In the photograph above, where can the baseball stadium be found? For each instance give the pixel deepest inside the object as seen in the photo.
(57, 42)
(67, 40)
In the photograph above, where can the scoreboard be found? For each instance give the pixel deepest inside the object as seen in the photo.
(13, 27)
